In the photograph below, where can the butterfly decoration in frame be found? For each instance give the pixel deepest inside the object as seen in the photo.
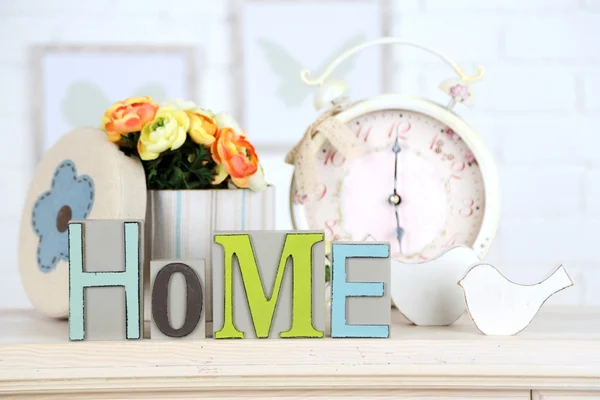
(75, 84)
(84, 102)
(291, 90)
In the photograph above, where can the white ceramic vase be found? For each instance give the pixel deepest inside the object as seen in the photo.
(428, 293)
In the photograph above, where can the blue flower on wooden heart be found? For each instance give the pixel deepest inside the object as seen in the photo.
(70, 197)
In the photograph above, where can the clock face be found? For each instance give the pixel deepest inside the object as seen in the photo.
(418, 187)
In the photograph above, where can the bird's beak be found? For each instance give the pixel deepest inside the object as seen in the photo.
(459, 283)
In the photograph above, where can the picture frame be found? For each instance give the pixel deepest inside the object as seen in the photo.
(67, 76)
(240, 97)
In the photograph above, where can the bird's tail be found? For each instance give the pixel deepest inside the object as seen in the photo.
(559, 280)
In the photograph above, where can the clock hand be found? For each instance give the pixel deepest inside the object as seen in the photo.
(395, 199)
(399, 230)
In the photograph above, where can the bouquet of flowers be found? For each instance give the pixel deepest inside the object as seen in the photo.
(183, 146)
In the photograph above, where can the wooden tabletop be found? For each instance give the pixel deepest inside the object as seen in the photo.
(560, 348)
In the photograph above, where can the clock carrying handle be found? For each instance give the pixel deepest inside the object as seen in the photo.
(306, 75)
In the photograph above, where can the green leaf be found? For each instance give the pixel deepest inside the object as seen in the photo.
(176, 178)
(189, 167)
(194, 185)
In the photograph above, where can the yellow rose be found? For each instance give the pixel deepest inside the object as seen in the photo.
(203, 127)
(167, 131)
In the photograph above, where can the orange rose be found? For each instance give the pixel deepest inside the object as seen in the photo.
(234, 153)
(128, 116)
(236, 157)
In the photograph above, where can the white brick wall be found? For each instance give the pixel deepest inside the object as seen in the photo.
(499, 6)
(591, 88)
(542, 141)
(531, 191)
(538, 107)
(537, 110)
(558, 37)
(590, 5)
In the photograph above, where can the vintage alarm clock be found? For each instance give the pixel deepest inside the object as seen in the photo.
(398, 168)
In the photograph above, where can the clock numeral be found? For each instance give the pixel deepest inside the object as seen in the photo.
(456, 168)
(303, 198)
(322, 193)
(390, 133)
(334, 158)
(299, 199)
(467, 210)
(436, 143)
(402, 130)
(364, 135)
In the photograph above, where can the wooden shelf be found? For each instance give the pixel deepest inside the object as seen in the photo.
(560, 349)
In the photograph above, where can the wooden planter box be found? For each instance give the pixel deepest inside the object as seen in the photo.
(180, 224)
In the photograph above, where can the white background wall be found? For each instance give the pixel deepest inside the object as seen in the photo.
(538, 108)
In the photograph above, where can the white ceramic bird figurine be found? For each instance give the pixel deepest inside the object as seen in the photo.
(501, 307)
(426, 292)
